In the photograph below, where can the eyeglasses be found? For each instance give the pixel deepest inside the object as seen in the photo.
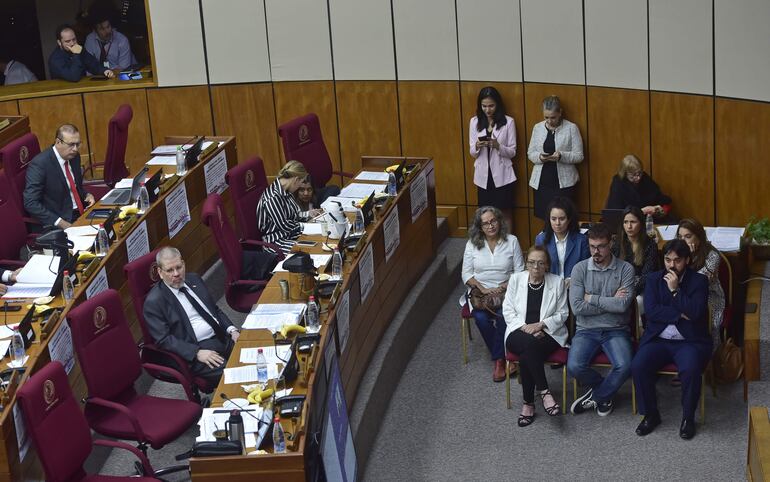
(598, 247)
(535, 264)
(71, 145)
(635, 175)
(490, 223)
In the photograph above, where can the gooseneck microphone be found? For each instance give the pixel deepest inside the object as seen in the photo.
(243, 410)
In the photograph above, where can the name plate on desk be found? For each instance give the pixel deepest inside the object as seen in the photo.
(90, 270)
(126, 226)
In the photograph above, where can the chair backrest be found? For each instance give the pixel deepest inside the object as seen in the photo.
(142, 274)
(117, 139)
(106, 350)
(55, 423)
(230, 250)
(303, 142)
(15, 157)
(14, 230)
(247, 182)
(726, 278)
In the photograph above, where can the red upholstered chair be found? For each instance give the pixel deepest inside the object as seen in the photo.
(142, 275)
(15, 157)
(241, 294)
(247, 182)
(303, 142)
(114, 165)
(110, 364)
(14, 230)
(558, 357)
(51, 415)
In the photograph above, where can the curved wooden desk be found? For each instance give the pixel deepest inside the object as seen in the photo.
(367, 321)
(194, 241)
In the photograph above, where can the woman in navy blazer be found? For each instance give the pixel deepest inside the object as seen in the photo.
(562, 238)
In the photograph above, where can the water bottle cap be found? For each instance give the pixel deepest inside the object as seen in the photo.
(277, 420)
(259, 350)
(66, 273)
(312, 298)
(101, 225)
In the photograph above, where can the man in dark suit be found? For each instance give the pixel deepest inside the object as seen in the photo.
(675, 302)
(54, 193)
(69, 61)
(184, 319)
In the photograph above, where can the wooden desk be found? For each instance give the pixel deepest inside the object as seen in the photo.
(199, 250)
(18, 127)
(47, 88)
(368, 320)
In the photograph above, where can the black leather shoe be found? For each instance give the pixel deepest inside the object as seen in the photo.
(687, 429)
(648, 424)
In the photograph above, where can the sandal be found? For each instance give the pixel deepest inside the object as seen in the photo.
(525, 420)
(551, 409)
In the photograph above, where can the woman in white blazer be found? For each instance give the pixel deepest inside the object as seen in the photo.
(555, 147)
(535, 310)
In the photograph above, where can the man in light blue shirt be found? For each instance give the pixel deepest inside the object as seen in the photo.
(110, 47)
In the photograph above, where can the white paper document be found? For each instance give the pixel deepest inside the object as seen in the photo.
(418, 192)
(248, 373)
(311, 229)
(162, 161)
(40, 269)
(170, 149)
(725, 238)
(361, 190)
(214, 419)
(82, 243)
(318, 261)
(277, 354)
(667, 233)
(128, 182)
(214, 172)
(372, 176)
(4, 345)
(27, 290)
(366, 272)
(98, 284)
(81, 231)
(391, 233)
(138, 242)
(177, 210)
(273, 322)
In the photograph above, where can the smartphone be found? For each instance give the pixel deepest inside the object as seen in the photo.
(10, 308)
(308, 244)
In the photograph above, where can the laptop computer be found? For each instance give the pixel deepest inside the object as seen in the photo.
(125, 196)
(613, 218)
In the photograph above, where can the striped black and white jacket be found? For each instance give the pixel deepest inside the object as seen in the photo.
(278, 217)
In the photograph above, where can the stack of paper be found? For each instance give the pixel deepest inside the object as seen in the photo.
(667, 233)
(36, 278)
(273, 316)
(725, 238)
(214, 419)
(170, 149)
(361, 190)
(372, 176)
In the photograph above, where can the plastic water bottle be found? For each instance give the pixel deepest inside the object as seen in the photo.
(144, 200)
(261, 367)
(181, 165)
(649, 226)
(311, 316)
(337, 264)
(67, 289)
(360, 225)
(17, 348)
(102, 241)
(279, 439)
(392, 184)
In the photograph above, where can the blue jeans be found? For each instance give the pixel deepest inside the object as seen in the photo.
(492, 329)
(616, 344)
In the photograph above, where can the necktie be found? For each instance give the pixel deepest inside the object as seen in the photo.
(220, 332)
(73, 188)
(102, 53)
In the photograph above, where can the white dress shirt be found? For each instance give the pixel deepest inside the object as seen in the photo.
(64, 173)
(561, 250)
(203, 331)
(492, 269)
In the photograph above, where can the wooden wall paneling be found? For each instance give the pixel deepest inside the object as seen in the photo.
(9, 107)
(179, 110)
(742, 175)
(247, 112)
(294, 99)
(513, 96)
(431, 126)
(46, 114)
(682, 140)
(535, 225)
(520, 227)
(618, 124)
(101, 106)
(368, 121)
(573, 102)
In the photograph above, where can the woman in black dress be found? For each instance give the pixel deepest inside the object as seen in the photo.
(631, 186)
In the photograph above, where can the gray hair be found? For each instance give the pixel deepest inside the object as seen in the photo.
(167, 252)
(476, 234)
(552, 103)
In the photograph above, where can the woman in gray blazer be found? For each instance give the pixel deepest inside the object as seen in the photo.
(535, 310)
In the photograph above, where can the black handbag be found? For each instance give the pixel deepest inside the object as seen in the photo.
(218, 448)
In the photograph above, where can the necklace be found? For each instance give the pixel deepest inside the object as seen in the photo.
(536, 287)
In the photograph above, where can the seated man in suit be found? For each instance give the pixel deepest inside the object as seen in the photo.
(69, 61)
(7, 277)
(106, 44)
(54, 193)
(675, 301)
(184, 319)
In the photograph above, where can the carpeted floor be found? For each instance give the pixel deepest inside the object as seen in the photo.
(448, 421)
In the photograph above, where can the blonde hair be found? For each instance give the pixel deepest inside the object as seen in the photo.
(293, 169)
(630, 163)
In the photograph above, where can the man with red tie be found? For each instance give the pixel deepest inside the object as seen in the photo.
(54, 193)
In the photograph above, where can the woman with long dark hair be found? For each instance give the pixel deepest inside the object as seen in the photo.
(562, 238)
(633, 245)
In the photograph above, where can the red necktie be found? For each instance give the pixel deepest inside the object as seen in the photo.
(71, 182)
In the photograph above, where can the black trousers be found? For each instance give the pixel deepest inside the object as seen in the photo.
(204, 371)
(532, 352)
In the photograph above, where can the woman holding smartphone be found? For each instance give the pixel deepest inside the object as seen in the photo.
(492, 140)
(554, 148)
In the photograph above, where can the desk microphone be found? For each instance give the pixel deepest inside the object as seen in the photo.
(243, 410)
(326, 241)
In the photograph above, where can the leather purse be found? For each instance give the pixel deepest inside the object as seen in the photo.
(218, 448)
(490, 302)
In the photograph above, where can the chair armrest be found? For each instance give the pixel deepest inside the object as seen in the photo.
(148, 470)
(123, 410)
(172, 358)
(11, 263)
(172, 373)
(248, 282)
(29, 220)
(343, 174)
(92, 166)
(263, 244)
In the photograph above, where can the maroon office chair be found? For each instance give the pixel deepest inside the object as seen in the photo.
(142, 274)
(556, 359)
(114, 165)
(303, 142)
(59, 431)
(247, 182)
(241, 294)
(110, 364)
(15, 234)
(15, 157)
